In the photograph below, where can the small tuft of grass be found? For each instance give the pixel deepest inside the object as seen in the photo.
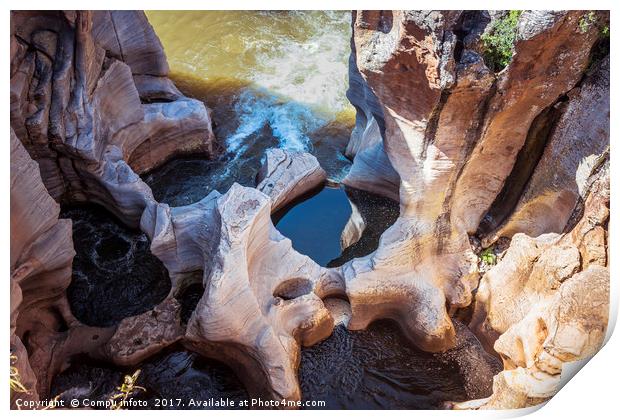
(488, 256)
(591, 22)
(587, 21)
(498, 42)
(15, 379)
(127, 389)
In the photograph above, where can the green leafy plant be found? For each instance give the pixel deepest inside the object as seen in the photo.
(605, 31)
(488, 256)
(498, 42)
(587, 21)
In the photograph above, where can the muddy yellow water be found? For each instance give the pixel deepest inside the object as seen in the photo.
(272, 79)
(298, 55)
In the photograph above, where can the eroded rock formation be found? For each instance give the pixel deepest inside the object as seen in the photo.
(89, 97)
(484, 154)
(285, 175)
(44, 333)
(90, 101)
(259, 304)
(546, 303)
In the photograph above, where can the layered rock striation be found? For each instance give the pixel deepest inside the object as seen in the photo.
(91, 109)
(483, 156)
(92, 104)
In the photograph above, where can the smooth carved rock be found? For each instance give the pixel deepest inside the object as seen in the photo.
(544, 305)
(259, 304)
(401, 280)
(452, 130)
(183, 238)
(41, 256)
(89, 93)
(371, 169)
(89, 89)
(286, 175)
(578, 142)
(569, 325)
(142, 336)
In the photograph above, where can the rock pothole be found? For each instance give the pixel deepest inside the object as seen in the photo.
(115, 276)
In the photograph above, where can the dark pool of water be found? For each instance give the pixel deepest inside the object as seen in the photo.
(189, 298)
(372, 369)
(377, 369)
(114, 273)
(171, 375)
(315, 222)
(186, 180)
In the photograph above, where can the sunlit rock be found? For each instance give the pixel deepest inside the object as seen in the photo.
(545, 305)
(452, 130)
(259, 304)
(286, 175)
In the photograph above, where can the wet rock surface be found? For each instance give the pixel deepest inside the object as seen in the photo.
(377, 213)
(114, 273)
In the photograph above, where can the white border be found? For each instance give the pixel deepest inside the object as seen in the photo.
(592, 394)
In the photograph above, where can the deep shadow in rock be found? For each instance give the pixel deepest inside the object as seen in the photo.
(378, 213)
(189, 295)
(171, 379)
(114, 273)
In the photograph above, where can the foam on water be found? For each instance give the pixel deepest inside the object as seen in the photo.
(289, 122)
(292, 68)
(312, 71)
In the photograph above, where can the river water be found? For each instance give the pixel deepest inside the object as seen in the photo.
(272, 79)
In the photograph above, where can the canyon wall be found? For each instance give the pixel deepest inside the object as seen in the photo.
(91, 105)
(483, 158)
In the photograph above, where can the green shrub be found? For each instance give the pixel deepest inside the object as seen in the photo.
(488, 256)
(498, 42)
(586, 22)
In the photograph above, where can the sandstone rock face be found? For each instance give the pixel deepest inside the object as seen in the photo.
(92, 107)
(286, 175)
(546, 303)
(259, 304)
(89, 94)
(486, 154)
(371, 169)
(89, 97)
(41, 257)
(578, 142)
(44, 332)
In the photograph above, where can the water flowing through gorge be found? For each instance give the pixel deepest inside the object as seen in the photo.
(273, 80)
